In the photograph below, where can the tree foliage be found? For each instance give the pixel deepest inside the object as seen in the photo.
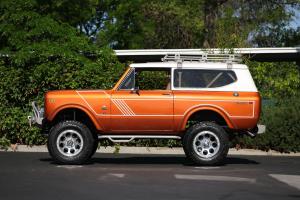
(63, 44)
(276, 80)
(73, 12)
(282, 133)
(192, 24)
(41, 53)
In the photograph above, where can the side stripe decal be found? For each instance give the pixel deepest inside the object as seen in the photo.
(123, 107)
(127, 107)
(119, 107)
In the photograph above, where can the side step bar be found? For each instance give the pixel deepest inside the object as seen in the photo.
(129, 138)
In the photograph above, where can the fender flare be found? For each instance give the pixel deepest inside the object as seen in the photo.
(79, 107)
(213, 108)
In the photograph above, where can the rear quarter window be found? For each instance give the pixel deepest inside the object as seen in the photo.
(197, 78)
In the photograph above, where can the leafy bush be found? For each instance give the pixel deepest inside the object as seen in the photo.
(15, 127)
(276, 80)
(283, 128)
(4, 143)
(39, 54)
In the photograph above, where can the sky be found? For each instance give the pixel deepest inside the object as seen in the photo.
(295, 23)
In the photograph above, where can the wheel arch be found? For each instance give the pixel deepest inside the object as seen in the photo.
(213, 112)
(54, 117)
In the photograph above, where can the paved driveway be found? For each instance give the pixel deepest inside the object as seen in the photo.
(109, 176)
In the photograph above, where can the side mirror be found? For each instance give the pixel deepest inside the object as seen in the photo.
(135, 90)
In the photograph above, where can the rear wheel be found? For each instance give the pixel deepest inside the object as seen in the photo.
(206, 143)
(70, 142)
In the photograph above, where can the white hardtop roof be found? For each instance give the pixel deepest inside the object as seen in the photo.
(189, 64)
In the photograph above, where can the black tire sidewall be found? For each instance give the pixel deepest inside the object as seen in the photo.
(193, 132)
(95, 147)
(88, 142)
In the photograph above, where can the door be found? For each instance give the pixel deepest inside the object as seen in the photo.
(143, 102)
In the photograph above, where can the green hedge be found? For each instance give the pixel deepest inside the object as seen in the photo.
(39, 53)
(283, 128)
(280, 84)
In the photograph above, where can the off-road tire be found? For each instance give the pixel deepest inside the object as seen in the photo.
(88, 143)
(95, 147)
(194, 131)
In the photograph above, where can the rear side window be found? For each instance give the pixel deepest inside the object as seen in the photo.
(196, 78)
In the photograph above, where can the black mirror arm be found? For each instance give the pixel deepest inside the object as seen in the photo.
(135, 91)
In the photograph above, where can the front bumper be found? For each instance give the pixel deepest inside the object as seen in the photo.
(37, 117)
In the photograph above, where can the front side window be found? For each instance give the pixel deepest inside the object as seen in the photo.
(197, 78)
(147, 79)
(128, 82)
(153, 79)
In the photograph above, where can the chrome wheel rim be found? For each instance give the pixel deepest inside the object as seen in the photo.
(69, 143)
(206, 144)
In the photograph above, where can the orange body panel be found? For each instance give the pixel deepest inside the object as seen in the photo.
(241, 112)
(155, 111)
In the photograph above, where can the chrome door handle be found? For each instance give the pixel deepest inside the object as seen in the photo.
(167, 94)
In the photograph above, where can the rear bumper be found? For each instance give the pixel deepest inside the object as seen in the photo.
(261, 129)
(257, 130)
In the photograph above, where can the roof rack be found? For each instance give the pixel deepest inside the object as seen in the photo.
(227, 58)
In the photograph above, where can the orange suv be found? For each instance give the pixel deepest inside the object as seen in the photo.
(199, 100)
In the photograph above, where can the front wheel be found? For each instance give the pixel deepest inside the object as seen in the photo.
(70, 142)
(206, 143)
